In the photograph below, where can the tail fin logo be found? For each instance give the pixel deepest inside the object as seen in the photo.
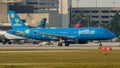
(27, 31)
(16, 20)
(12, 15)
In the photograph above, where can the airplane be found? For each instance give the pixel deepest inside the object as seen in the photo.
(79, 24)
(6, 37)
(42, 24)
(63, 35)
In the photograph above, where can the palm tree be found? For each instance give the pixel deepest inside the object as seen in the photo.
(87, 20)
(81, 17)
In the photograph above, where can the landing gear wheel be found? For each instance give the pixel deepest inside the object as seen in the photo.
(4, 42)
(9, 43)
(59, 44)
(100, 45)
(66, 44)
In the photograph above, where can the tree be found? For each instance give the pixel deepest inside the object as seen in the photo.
(80, 17)
(87, 20)
(114, 25)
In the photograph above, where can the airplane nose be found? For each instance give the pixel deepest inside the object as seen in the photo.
(112, 35)
(109, 35)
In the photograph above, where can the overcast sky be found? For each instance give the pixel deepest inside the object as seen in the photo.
(92, 3)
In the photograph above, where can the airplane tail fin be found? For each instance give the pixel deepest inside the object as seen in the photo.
(15, 20)
(42, 23)
(79, 24)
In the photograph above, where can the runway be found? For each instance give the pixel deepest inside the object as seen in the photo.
(113, 45)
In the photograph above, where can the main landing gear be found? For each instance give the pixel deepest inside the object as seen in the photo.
(60, 44)
(62, 41)
(100, 43)
(66, 44)
(5, 41)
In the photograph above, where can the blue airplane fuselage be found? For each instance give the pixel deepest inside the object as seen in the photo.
(79, 33)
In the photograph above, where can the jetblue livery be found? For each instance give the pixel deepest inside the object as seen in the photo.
(64, 35)
(6, 37)
(42, 23)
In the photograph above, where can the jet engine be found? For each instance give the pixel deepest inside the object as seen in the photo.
(76, 41)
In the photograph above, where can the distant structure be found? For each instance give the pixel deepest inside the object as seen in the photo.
(114, 3)
(97, 15)
(32, 11)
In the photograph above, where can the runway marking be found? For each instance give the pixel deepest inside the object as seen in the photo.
(51, 63)
(38, 51)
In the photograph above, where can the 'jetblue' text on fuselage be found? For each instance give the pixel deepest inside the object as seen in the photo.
(86, 32)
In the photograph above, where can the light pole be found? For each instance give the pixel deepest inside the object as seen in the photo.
(77, 3)
(96, 3)
(114, 3)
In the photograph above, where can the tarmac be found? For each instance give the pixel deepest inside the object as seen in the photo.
(113, 45)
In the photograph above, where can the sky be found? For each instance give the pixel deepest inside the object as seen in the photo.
(92, 3)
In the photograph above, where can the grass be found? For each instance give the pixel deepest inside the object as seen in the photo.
(60, 59)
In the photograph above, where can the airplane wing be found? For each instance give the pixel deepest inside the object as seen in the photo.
(2, 36)
(57, 36)
(20, 34)
(17, 33)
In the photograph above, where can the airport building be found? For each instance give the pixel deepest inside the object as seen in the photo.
(32, 11)
(97, 15)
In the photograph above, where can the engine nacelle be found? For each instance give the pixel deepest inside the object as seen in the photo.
(82, 41)
(76, 41)
(11, 31)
